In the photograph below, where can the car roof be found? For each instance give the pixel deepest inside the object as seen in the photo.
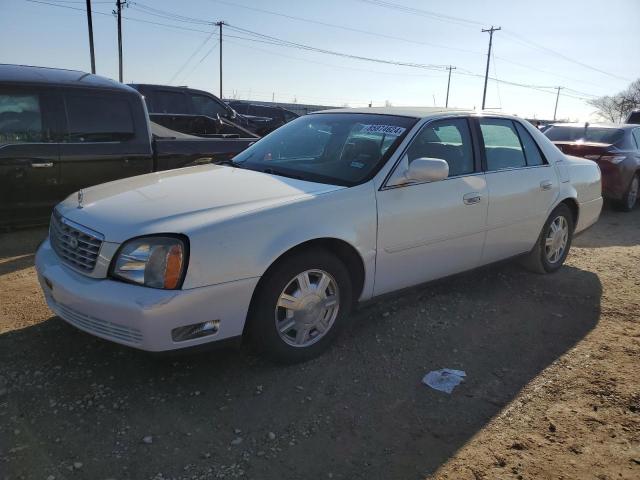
(56, 76)
(413, 112)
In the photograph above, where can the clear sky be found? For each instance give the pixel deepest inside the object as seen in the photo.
(591, 47)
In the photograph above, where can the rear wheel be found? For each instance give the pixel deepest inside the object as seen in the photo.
(301, 305)
(630, 198)
(554, 242)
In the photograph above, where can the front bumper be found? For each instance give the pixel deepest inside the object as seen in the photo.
(137, 316)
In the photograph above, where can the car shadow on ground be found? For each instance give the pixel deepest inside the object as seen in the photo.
(610, 220)
(358, 411)
(17, 249)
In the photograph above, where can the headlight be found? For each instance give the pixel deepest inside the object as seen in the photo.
(157, 262)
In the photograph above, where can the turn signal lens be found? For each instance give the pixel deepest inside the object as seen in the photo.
(173, 269)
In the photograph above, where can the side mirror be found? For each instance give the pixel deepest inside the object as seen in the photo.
(427, 170)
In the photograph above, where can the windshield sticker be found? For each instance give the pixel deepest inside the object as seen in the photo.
(386, 129)
(357, 164)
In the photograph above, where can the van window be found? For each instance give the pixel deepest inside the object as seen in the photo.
(501, 144)
(20, 118)
(95, 117)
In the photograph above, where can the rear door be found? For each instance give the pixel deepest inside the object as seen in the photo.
(103, 139)
(522, 187)
(29, 154)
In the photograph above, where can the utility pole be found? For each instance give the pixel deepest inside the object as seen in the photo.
(119, 5)
(486, 75)
(555, 110)
(90, 24)
(219, 25)
(446, 103)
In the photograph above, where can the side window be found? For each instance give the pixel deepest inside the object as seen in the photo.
(531, 149)
(449, 140)
(288, 116)
(501, 144)
(20, 118)
(170, 102)
(98, 118)
(636, 135)
(207, 106)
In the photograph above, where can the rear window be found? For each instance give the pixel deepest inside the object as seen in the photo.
(588, 134)
(98, 118)
(20, 118)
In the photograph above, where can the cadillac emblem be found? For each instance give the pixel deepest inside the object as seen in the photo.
(80, 198)
(73, 242)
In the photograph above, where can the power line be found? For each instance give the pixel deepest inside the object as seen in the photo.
(346, 28)
(335, 53)
(425, 13)
(466, 22)
(184, 65)
(537, 46)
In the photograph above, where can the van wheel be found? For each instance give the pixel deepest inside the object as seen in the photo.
(553, 244)
(301, 306)
(630, 198)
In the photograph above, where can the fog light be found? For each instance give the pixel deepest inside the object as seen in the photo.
(197, 330)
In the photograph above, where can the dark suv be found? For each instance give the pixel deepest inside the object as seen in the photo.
(164, 99)
(615, 148)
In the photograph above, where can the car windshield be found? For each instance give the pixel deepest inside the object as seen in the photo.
(557, 133)
(336, 148)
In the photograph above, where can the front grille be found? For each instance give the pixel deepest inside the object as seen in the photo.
(97, 326)
(76, 245)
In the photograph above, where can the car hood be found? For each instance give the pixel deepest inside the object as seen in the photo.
(179, 201)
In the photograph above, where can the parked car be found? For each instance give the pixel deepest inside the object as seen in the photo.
(634, 117)
(615, 148)
(168, 100)
(331, 209)
(63, 130)
(279, 116)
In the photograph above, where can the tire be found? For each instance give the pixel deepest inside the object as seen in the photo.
(323, 312)
(630, 198)
(543, 260)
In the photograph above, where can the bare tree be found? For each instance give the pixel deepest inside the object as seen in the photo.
(616, 108)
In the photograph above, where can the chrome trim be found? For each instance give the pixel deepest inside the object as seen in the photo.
(76, 245)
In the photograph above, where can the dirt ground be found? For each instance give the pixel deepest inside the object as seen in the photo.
(552, 388)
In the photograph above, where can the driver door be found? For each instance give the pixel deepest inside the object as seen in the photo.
(432, 229)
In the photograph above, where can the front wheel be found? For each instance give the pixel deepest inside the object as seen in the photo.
(301, 305)
(553, 244)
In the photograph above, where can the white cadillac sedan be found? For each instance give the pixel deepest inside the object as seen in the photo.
(331, 209)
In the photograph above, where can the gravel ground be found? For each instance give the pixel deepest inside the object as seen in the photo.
(552, 387)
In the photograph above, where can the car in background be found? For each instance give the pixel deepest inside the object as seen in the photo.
(333, 208)
(634, 117)
(616, 150)
(279, 116)
(182, 101)
(64, 130)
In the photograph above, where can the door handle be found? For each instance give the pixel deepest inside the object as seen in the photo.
(42, 165)
(472, 198)
(546, 185)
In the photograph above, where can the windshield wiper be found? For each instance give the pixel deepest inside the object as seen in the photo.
(272, 171)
